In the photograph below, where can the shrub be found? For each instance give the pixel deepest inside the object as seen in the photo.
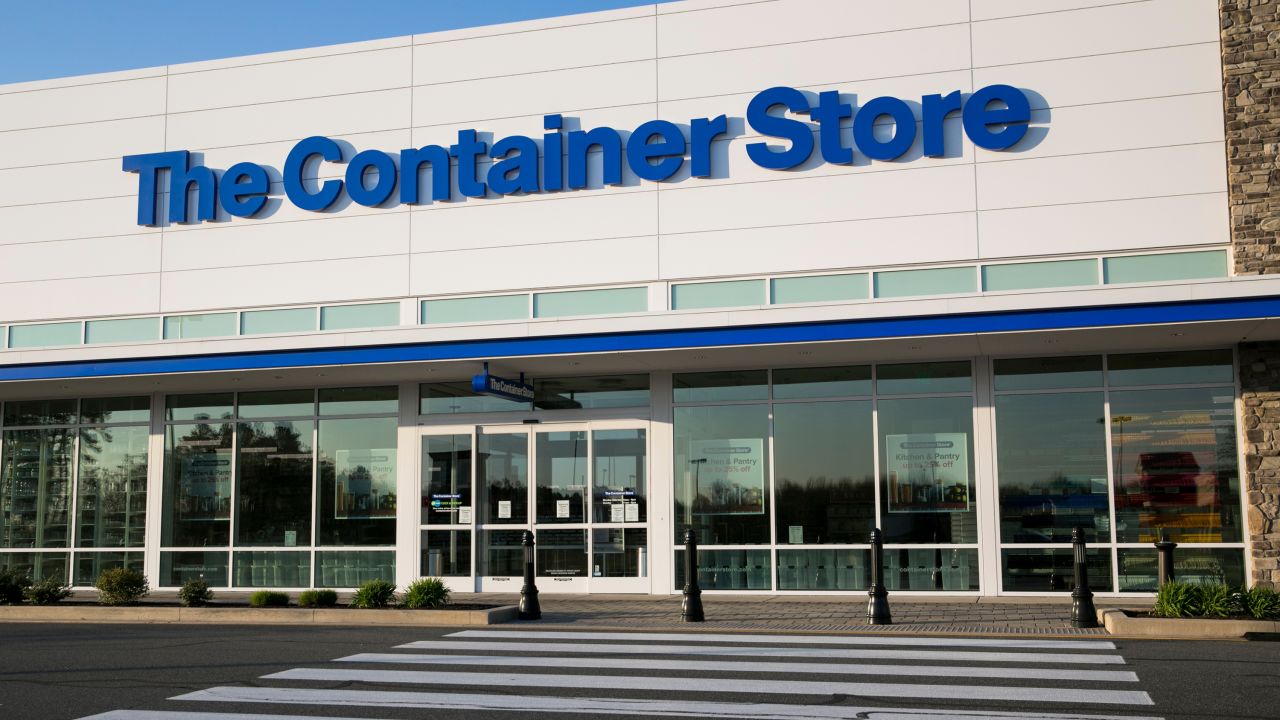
(13, 585)
(1177, 599)
(426, 593)
(121, 586)
(318, 598)
(268, 598)
(195, 593)
(1219, 601)
(374, 594)
(1261, 603)
(48, 591)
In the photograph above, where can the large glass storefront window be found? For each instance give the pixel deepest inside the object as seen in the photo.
(92, 452)
(721, 474)
(258, 486)
(824, 472)
(1129, 447)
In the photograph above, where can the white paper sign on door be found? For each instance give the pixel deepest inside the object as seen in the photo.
(562, 508)
(504, 509)
(615, 513)
(633, 512)
(464, 515)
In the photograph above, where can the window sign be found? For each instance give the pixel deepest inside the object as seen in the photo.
(928, 472)
(504, 509)
(728, 476)
(206, 494)
(366, 484)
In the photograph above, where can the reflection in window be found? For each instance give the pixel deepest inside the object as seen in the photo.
(794, 383)
(446, 479)
(1198, 566)
(920, 378)
(1048, 373)
(445, 398)
(719, 386)
(501, 553)
(619, 552)
(504, 477)
(352, 568)
(620, 479)
(446, 553)
(1052, 570)
(927, 490)
(273, 487)
(1170, 368)
(823, 569)
(728, 569)
(1174, 452)
(721, 474)
(197, 485)
(561, 476)
(35, 489)
(1052, 467)
(824, 469)
(112, 493)
(561, 553)
(604, 391)
(270, 568)
(356, 497)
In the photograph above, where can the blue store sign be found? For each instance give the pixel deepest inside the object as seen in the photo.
(486, 384)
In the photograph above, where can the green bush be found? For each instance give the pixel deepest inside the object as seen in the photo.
(1261, 603)
(13, 585)
(121, 586)
(48, 591)
(318, 598)
(1177, 599)
(1219, 601)
(268, 598)
(426, 593)
(374, 594)
(195, 593)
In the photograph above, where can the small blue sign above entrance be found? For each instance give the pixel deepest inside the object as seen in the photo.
(486, 384)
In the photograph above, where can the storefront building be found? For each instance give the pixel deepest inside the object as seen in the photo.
(969, 271)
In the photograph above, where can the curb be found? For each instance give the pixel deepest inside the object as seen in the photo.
(1119, 623)
(256, 616)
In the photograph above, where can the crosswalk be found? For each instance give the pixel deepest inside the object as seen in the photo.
(490, 673)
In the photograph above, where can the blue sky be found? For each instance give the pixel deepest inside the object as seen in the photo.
(54, 38)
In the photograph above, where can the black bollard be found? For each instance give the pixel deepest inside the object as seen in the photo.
(691, 608)
(529, 607)
(1164, 560)
(1083, 614)
(878, 604)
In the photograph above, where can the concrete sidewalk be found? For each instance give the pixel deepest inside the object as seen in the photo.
(791, 613)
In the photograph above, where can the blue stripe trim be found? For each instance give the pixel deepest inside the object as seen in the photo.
(962, 324)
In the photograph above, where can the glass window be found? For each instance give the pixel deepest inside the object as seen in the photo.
(209, 406)
(475, 309)
(718, 386)
(733, 293)
(927, 466)
(823, 569)
(177, 568)
(1051, 461)
(112, 494)
(1170, 368)
(503, 475)
(1048, 373)
(1175, 470)
(1165, 266)
(561, 477)
(356, 497)
(930, 281)
(191, 327)
(446, 479)
(1052, 570)
(721, 474)
(457, 397)
(619, 552)
(359, 401)
(277, 321)
(351, 568)
(277, 403)
(620, 476)
(115, 410)
(921, 378)
(824, 472)
(793, 383)
(501, 553)
(270, 568)
(122, 331)
(45, 335)
(197, 486)
(39, 412)
(822, 288)
(348, 317)
(591, 302)
(603, 391)
(446, 553)
(89, 565)
(35, 489)
(35, 565)
(561, 553)
(728, 569)
(946, 569)
(1200, 566)
(1027, 276)
(273, 485)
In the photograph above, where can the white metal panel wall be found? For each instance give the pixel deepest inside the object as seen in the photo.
(1130, 155)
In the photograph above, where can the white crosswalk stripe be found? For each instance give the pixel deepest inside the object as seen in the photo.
(486, 673)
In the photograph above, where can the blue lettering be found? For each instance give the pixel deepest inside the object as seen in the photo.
(610, 144)
(243, 190)
(1014, 116)
(797, 132)
(668, 150)
(516, 155)
(904, 130)
(357, 173)
(411, 162)
(466, 151)
(296, 164)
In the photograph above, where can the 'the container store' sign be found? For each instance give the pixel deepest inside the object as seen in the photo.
(994, 117)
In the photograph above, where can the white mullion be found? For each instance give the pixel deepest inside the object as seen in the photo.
(875, 448)
(987, 483)
(1242, 475)
(773, 499)
(315, 497)
(73, 497)
(1111, 475)
(235, 489)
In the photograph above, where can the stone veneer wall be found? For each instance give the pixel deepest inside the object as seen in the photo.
(1251, 99)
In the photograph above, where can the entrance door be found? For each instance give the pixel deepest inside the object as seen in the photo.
(580, 487)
